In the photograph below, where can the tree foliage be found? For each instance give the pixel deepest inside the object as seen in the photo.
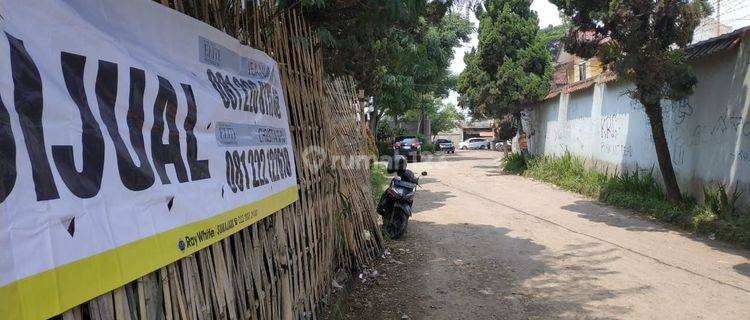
(446, 119)
(511, 67)
(641, 41)
(412, 65)
(552, 34)
(350, 28)
(506, 130)
(443, 116)
(398, 51)
(552, 37)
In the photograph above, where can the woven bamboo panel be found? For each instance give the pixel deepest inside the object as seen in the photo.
(350, 138)
(282, 266)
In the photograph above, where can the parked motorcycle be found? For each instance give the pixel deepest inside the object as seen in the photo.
(395, 203)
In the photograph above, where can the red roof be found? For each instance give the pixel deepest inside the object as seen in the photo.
(606, 77)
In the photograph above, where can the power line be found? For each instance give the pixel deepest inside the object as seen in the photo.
(727, 7)
(728, 11)
(734, 8)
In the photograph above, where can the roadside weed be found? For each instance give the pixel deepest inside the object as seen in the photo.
(720, 215)
(515, 163)
(720, 202)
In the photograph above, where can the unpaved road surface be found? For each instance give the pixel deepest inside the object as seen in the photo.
(485, 245)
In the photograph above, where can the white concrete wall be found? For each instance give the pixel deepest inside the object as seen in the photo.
(708, 134)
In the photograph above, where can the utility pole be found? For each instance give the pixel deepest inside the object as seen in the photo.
(718, 18)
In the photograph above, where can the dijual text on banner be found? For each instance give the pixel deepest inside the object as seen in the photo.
(131, 136)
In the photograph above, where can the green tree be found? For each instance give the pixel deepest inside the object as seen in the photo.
(350, 28)
(552, 34)
(412, 65)
(397, 50)
(642, 41)
(511, 67)
(442, 117)
(552, 37)
(447, 118)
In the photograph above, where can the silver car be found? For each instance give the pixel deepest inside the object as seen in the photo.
(474, 143)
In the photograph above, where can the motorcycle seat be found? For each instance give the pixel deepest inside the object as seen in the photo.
(404, 184)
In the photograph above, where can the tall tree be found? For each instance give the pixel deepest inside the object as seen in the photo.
(397, 50)
(511, 67)
(349, 29)
(447, 118)
(552, 37)
(642, 41)
(442, 116)
(412, 65)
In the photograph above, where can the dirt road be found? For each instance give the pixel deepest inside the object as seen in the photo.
(484, 245)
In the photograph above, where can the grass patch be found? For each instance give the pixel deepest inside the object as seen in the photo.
(379, 180)
(384, 148)
(719, 215)
(568, 172)
(515, 163)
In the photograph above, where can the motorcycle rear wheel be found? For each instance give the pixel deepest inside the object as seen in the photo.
(395, 227)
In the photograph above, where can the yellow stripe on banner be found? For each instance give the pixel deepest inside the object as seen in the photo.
(54, 291)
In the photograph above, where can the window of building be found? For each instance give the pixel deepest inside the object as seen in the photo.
(582, 71)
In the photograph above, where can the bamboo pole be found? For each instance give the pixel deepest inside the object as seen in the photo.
(282, 266)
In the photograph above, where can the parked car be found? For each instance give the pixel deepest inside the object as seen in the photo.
(444, 145)
(474, 143)
(409, 147)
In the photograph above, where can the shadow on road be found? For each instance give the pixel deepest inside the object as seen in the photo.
(743, 269)
(474, 271)
(451, 157)
(491, 170)
(487, 167)
(427, 200)
(426, 180)
(459, 262)
(620, 218)
(630, 220)
(495, 173)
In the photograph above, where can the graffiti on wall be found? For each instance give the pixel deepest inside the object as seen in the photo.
(708, 135)
(742, 155)
(688, 130)
(612, 126)
(617, 149)
(613, 131)
(678, 111)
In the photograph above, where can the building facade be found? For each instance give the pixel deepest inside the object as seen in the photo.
(708, 133)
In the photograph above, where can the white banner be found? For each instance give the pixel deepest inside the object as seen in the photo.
(131, 136)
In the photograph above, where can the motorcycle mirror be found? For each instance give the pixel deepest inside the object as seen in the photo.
(424, 173)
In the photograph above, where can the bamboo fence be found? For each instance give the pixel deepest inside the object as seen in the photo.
(282, 266)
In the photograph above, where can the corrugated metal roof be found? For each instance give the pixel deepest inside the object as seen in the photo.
(715, 45)
(477, 124)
